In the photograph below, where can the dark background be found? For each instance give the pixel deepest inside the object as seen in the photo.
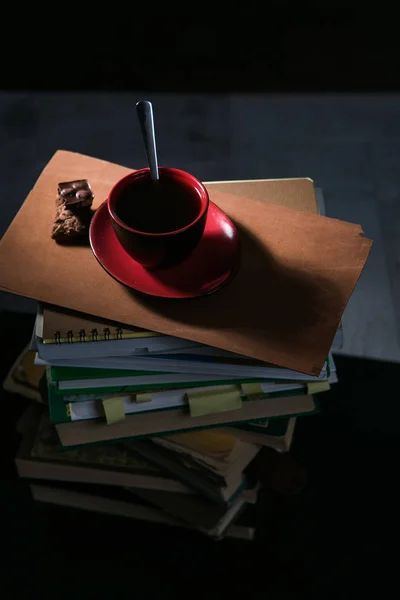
(277, 45)
(337, 538)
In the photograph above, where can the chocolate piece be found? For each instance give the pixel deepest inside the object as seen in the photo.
(70, 223)
(76, 193)
(84, 195)
(68, 191)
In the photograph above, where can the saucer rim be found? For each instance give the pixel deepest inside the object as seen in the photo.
(232, 273)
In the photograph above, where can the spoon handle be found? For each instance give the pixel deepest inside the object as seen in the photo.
(145, 114)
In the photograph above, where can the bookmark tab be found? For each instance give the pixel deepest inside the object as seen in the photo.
(113, 410)
(251, 388)
(315, 387)
(203, 402)
(145, 397)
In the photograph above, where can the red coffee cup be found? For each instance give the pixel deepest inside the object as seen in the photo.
(159, 223)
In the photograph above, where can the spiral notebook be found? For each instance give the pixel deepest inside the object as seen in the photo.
(63, 338)
(63, 334)
(55, 326)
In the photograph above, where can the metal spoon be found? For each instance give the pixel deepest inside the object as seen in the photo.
(145, 114)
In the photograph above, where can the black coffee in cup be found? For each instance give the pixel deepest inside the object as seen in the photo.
(158, 206)
(159, 223)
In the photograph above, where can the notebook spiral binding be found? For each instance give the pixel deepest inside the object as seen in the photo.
(94, 336)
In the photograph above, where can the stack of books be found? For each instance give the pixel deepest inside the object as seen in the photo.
(154, 384)
(164, 427)
(169, 448)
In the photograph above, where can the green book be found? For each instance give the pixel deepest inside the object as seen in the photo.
(163, 422)
(75, 380)
(64, 411)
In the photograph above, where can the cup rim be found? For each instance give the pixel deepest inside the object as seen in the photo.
(187, 176)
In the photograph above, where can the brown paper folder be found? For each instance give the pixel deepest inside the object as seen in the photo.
(284, 306)
(295, 193)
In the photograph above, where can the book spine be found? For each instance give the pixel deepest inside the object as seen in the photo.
(131, 389)
(59, 410)
(72, 373)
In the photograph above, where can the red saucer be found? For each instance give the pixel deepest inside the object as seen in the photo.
(211, 265)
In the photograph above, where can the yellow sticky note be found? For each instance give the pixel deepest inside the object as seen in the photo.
(202, 402)
(251, 388)
(145, 397)
(113, 410)
(315, 387)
